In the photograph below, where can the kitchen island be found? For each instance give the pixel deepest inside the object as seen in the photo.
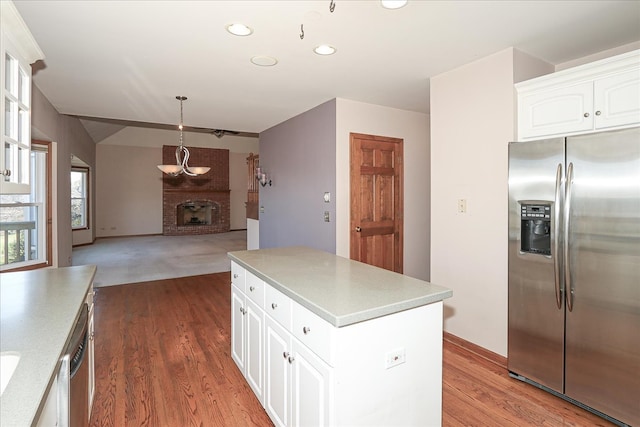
(38, 311)
(324, 340)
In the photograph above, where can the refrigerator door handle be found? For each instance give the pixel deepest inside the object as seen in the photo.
(557, 268)
(567, 261)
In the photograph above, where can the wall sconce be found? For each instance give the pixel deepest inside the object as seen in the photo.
(262, 177)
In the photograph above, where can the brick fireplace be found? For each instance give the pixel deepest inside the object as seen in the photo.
(200, 204)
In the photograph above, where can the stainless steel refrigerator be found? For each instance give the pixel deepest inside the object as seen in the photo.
(574, 269)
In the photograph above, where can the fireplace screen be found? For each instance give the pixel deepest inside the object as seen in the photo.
(199, 212)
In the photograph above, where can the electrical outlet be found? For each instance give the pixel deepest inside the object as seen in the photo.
(327, 216)
(394, 358)
(462, 205)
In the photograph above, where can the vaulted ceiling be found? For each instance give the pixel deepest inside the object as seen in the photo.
(127, 60)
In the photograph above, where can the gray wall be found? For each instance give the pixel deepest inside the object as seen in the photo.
(69, 137)
(299, 155)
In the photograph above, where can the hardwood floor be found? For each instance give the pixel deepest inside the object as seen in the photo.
(163, 359)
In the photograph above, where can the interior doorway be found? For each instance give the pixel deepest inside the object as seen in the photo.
(376, 170)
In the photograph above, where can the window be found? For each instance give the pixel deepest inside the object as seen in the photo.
(24, 232)
(18, 50)
(15, 137)
(79, 198)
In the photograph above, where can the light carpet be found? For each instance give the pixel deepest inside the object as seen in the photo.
(144, 258)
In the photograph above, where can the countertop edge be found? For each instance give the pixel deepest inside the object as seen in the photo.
(341, 321)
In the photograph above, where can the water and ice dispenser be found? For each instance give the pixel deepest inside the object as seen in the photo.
(535, 227)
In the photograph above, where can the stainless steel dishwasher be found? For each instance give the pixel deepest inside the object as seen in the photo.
(79, 372)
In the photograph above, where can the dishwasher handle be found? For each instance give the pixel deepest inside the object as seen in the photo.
(78, 344)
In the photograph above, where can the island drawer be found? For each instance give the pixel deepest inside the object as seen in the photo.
(313, 331)
(254, 288)
(238, 275)
(278, 306)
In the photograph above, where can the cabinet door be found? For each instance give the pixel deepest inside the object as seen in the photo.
(277, 373)
(617, 100)
(311, 380)
(254, 361)
(238, 328)
(556, 112)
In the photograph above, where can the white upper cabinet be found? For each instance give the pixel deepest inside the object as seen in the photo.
(599, 96)
(617, 100)
(19, 50)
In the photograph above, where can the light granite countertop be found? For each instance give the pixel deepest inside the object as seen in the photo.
(337, 289)
(38, 310)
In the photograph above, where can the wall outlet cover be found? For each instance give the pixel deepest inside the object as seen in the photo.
(394, 358)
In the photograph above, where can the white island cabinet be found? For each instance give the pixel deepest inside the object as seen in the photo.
(247, 325)
(342, 343)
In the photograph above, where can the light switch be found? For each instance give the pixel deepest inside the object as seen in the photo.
(327, 197)
(327, 216)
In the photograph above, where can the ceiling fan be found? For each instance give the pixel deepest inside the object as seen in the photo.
(222, 132)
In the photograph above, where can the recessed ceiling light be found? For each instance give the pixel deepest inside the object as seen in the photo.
(325, 49)
(264, 61)
(393, 4)
(239, 29)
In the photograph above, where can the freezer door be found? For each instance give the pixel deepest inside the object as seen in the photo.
(536, 309)
(603, 326)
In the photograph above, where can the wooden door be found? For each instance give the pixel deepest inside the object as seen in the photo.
(376, 201)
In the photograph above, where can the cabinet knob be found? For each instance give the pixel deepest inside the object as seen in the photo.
(274, 305)
(291, 359)
(586, 114)
(306, 330)
(242, 310)
(5, 172)
(598, 113)
(235, 275)
(252, 288)
(285, 354)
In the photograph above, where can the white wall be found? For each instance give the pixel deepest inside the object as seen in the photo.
(68, 137)
(600, 55)
(126, 174)
(128, 191)
(472, 121)
(473, 112)
(413, 128)
(253, 234)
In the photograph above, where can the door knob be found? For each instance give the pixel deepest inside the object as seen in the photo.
(358, 229)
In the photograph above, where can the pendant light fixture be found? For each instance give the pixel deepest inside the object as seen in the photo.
(182, 155)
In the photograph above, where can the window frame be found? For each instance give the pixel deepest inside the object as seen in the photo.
(16, 121)
(87, 197)
(45, 231)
